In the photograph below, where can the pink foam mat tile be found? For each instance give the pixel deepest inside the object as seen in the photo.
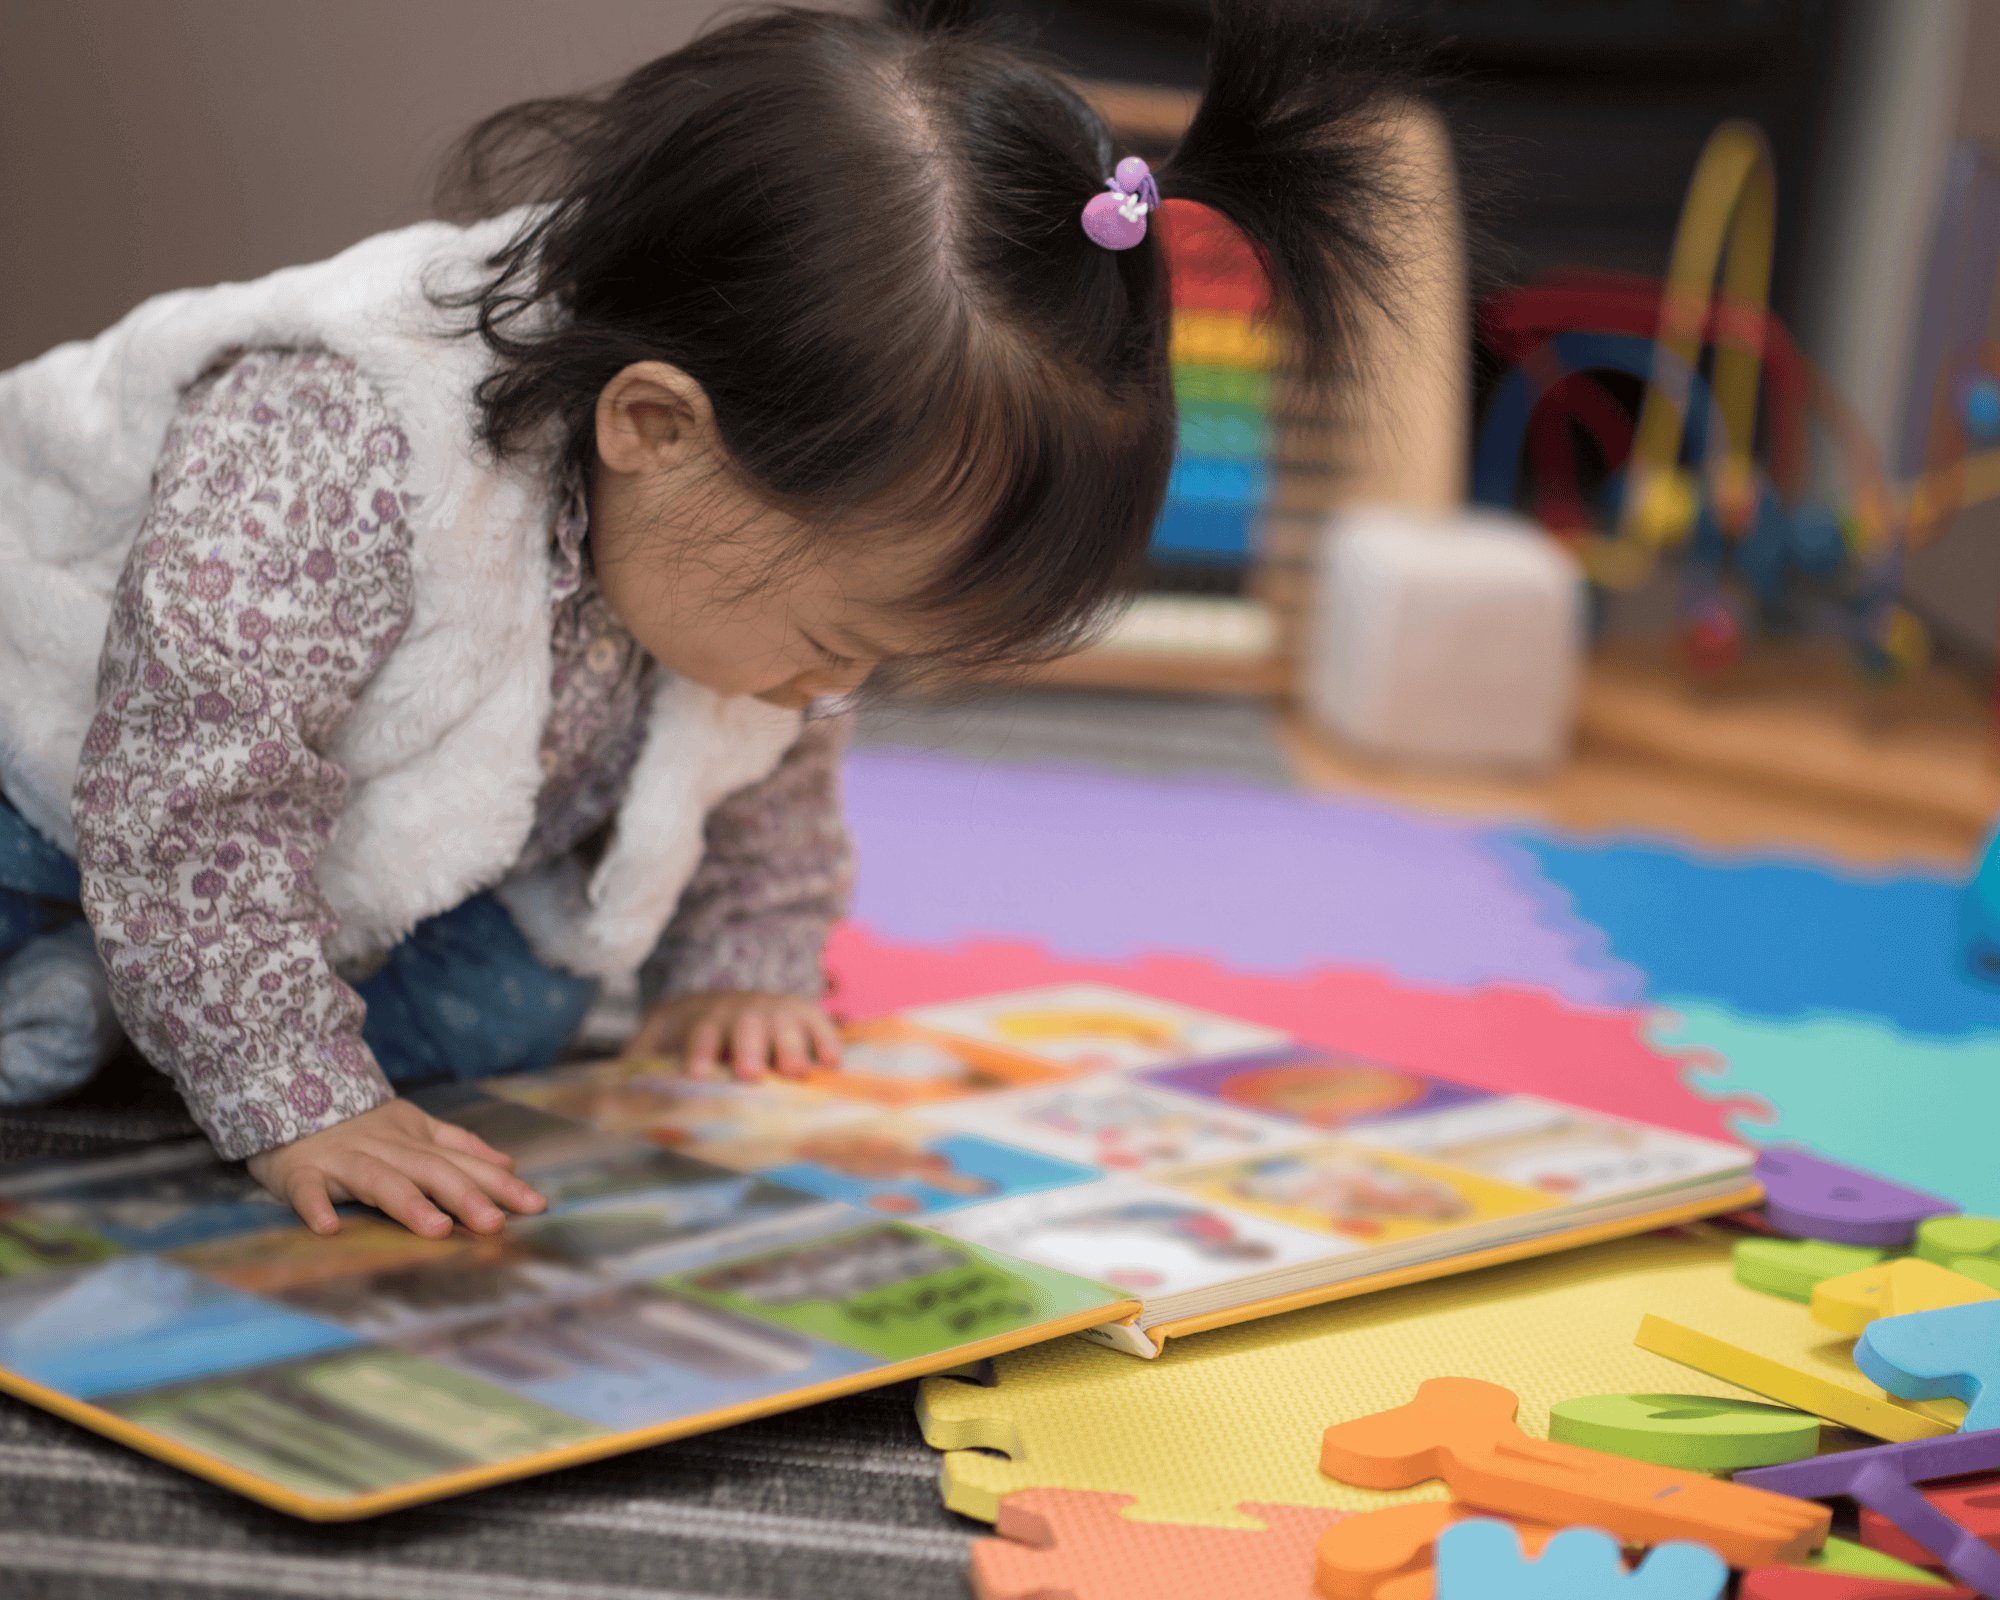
(1515, 1039)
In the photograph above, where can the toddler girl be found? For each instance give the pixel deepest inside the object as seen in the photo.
(393, 648)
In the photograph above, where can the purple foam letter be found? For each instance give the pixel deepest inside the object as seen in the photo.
(1885, 1478)
(1811, 1198)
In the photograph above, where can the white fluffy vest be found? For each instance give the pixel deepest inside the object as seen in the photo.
(442, 749)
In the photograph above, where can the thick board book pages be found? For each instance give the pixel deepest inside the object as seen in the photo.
(979, 1176)
(167, 1301)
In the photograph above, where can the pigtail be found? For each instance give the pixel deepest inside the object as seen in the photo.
(1291, 141)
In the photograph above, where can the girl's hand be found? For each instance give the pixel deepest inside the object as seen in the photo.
(752, 1031)
(399, 1159)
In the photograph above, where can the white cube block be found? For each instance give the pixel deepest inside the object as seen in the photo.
(1445, 637)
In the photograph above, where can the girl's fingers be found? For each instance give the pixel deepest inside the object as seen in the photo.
(704, 1046)
(468, 1143)
(451, 1187)
(750, 1046)
(825, 1038)
(305, 1193)
(654, 1038)
(382, 1186)
(788, 1047)
(512, 1192)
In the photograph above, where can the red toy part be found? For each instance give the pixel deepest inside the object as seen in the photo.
(1796, 1583)
(1972, 1503)
(1514, 322)
(1075, 1544)
(1712, 639)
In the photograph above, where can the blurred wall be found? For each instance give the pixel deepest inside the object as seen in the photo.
(1916, 82)
(152, 144)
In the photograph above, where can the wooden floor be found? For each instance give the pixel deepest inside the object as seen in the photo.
(1795, 751)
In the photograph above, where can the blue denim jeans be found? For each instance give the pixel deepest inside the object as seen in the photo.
(462, 997)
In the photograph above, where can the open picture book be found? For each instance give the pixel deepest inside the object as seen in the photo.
(976, 1177)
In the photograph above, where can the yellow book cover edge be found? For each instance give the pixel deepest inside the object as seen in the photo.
(1496, 1255)
(315, 1509)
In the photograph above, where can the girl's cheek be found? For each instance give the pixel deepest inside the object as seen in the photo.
(829, 685)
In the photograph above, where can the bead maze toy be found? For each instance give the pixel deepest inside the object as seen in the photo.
(1693, 476)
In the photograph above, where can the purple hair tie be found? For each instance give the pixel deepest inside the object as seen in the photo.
(1117, 219)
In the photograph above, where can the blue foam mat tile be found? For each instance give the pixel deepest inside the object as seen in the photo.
(1775, 939)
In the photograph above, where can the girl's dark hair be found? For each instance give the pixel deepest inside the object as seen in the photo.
(862, 238)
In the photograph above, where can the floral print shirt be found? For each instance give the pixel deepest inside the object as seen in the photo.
(270, 581)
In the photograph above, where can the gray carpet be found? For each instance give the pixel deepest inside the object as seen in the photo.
(835, 1502)
(1142, 733)
(838, 1502)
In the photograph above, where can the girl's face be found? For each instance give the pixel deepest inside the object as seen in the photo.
(714, 583)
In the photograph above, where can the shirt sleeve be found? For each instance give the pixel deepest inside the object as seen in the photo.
(772, 882)
(270, 580)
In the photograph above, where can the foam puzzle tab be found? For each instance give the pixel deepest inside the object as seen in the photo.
(1797, 1583)
(1851, 1406)
(1885, 1478)
(1482, 1560)
(1795, 1267)
(1952, 1354)
(1695, 1432)
(1810, 1197)
(1071, 1544)
(1849, 1303)
(1463, 1431)
(1390, 1554)
(1973, 1504)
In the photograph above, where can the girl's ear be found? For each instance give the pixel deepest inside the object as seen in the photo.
(651, 416)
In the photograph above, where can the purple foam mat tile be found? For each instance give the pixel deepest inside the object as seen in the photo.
(1099, 865)
(1555, 907)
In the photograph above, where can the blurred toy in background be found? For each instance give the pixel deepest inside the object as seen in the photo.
(1448, 637)
(1224, 358)
(1713, 471)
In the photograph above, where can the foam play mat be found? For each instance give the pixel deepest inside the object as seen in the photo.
(1773, 997)
(1236, 1415)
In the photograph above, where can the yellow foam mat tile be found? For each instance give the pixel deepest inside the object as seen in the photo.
(1236, 1415)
